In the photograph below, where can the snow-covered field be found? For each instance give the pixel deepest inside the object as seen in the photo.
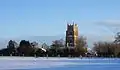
(31, 63)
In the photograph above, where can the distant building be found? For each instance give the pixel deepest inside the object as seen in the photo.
(71, 35)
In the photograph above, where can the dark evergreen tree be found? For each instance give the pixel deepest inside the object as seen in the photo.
(25, 48)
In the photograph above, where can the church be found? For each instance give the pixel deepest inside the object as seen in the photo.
(71, 35)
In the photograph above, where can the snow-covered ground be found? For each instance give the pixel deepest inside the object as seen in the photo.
(50, 63)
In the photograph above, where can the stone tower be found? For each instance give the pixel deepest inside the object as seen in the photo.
(71, 35)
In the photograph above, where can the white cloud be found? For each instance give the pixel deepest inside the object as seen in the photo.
(109, 23)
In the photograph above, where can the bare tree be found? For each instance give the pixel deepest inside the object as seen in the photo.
(58, 43)
(45, 46)
(81, 46)
(117, 38)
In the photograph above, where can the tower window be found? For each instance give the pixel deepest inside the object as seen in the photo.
(70, 41)
(70, 33)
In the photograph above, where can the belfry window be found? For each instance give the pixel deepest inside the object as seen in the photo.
(70, 41)
(70, 33)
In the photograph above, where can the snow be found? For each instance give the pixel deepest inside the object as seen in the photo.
(58, 63)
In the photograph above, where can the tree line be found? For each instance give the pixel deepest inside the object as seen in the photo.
(108, 49)
(58, 49)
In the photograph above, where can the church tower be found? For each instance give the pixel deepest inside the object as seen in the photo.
(71, 35)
